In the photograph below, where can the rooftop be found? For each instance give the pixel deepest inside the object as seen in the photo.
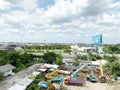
(6, 67)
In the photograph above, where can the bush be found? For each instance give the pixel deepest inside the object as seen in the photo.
(33, 87)
(76, 63)
(51, 57)
(116, 68)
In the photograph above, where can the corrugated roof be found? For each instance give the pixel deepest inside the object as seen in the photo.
(17, 87)
(22, 85)
(6, 67)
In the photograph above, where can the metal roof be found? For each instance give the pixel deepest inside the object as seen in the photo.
(6, 67)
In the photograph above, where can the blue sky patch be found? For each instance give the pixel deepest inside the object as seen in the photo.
(45, 3)
(14, 8)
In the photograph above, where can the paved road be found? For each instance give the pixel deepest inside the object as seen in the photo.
(65, 55)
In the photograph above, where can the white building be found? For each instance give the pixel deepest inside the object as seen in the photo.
(103, 62)
(7, 70)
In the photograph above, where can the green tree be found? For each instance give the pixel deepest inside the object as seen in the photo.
(49, 57)
(111, 58)
(52, 57)
(76, 63)
(116, 68)
(67, 51)
(26, 59)
(112, 48)
(12, 57)
(92, 57)
(58, 60)
(33, 87)
(84, 57)
(20, 67)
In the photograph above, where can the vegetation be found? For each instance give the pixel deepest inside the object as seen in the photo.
(34, 85)
(113, 65)
(90, 56)
(76, 63)
(93, 57)
(20, 61)
(1, 76)
(51, 57)
(111, 59)
(48, 47)
(82, 57)
(112, 49)
(115, 68)
(24, 60)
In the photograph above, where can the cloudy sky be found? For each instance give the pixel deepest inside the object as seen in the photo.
(59, 21)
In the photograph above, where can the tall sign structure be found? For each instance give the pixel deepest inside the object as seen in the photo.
(98, 42)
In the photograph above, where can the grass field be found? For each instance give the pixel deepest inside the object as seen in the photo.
(43, 50)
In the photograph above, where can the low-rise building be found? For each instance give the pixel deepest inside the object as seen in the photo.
(7, 70)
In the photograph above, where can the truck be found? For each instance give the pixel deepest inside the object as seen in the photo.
(64, 72)
(74, 81)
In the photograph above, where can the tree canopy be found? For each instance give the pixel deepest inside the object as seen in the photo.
(51, 57)
(76, 63)
(20, 61)
(116, 68)
(112, 49)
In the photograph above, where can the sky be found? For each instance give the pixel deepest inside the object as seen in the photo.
(59, 21)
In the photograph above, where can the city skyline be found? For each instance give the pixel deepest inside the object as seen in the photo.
(59, 21)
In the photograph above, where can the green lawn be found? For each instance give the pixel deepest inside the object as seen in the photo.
(38, 50)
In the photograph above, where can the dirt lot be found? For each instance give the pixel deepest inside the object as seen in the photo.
(88, 86)
(94, 86)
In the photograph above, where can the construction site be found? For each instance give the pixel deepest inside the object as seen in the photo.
(85, 77)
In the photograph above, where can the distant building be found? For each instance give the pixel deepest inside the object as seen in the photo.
(82, 49)
(100, 50)
(97, 62)
(89, 48)
(7, 69)
(8, 46)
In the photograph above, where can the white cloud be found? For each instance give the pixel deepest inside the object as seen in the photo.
(14, 30)
(109, 20)
(114, 5)
(4, 5)
(66, 11)
(30, 31)
(2, 34)
(65, 21)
